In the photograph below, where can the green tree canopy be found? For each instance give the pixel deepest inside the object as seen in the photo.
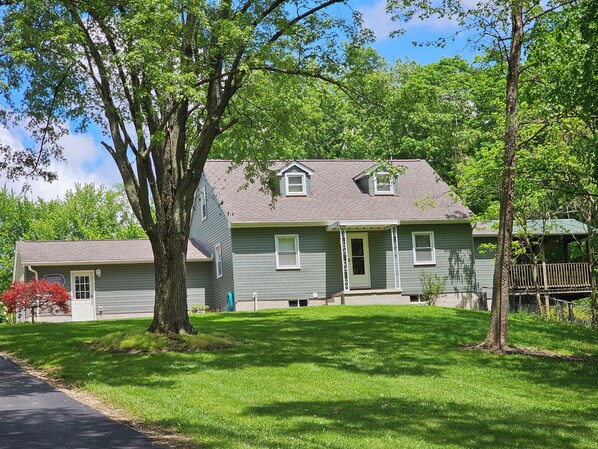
(88, 212)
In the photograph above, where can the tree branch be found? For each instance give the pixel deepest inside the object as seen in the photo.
(549, 10)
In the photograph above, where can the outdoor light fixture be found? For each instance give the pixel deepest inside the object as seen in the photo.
(98, 272)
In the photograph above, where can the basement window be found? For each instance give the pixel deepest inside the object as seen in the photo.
(298, 303)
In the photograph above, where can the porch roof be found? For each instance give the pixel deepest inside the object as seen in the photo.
(555, 227)
(363, 225)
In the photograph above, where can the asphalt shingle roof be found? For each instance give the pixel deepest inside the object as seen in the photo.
(335, 196)
(558, 226)
(94, 251)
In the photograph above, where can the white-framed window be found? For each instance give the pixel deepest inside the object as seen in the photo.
(295, 184)
(218, 260)
(383, 184)
(287, 252)
(424, 252)
(203, 204)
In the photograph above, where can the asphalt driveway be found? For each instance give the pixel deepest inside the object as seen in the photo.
(35, 415)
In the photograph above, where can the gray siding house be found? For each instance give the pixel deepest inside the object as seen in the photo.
(106, 278)
(335, 232)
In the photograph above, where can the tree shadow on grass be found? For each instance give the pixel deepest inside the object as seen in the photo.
(379, 341)
(436, 423)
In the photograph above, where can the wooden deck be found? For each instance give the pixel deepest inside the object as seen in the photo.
(550, 277)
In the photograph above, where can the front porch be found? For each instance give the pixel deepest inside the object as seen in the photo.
(551, 278)
(356, 263)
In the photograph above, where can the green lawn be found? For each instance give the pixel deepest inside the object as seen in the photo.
(341, 377)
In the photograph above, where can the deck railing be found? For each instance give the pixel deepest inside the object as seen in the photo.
(550, 276)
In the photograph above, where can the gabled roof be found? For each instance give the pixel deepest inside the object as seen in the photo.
(367, 172)
(335, 196)
(297, 164)
(554, 227)
(65, 252)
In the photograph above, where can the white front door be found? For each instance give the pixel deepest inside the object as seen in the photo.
(359, 260)
(83, 296)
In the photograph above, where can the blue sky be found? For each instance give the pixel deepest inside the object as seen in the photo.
(401, 47)
(87, 161)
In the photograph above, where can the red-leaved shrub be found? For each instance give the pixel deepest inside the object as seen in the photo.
(36, 295)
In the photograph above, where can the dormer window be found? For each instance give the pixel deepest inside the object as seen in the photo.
(383, 184)
(295, 184)
(295, 179)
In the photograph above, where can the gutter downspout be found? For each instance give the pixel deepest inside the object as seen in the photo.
(14, 265)
(34, 272)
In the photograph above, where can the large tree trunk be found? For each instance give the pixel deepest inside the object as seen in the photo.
(171, 311)
(497, 337)
(170, 235)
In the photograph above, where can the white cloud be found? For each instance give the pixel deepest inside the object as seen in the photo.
(379, 21)
(376, 19)
(85, 161)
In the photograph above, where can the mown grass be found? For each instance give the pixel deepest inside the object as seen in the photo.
(140, 342)
(341, 377)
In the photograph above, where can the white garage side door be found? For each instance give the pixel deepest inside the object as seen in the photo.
(83, 296)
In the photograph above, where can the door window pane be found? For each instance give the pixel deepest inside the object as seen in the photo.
(82, 287)
(357, 256)
(357, 247)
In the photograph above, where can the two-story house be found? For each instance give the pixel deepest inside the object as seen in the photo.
(336, 232)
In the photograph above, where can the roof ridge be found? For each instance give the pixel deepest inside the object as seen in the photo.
(319, 160)
(84, 240)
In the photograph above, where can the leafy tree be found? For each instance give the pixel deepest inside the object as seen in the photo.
(437, 113)
(441, 112)
(567, 59)
(16, 214)
(164, 80)
(36, 296)
(309, 118)
(506, 23)
(87, 212)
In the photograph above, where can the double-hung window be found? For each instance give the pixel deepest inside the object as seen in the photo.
(424, 252)
(295, 184)
(203, 204)
(218, 260)
(383, 184)
(287, 252)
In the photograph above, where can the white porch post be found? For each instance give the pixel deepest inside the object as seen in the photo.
(395, 256)
(345, 259)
